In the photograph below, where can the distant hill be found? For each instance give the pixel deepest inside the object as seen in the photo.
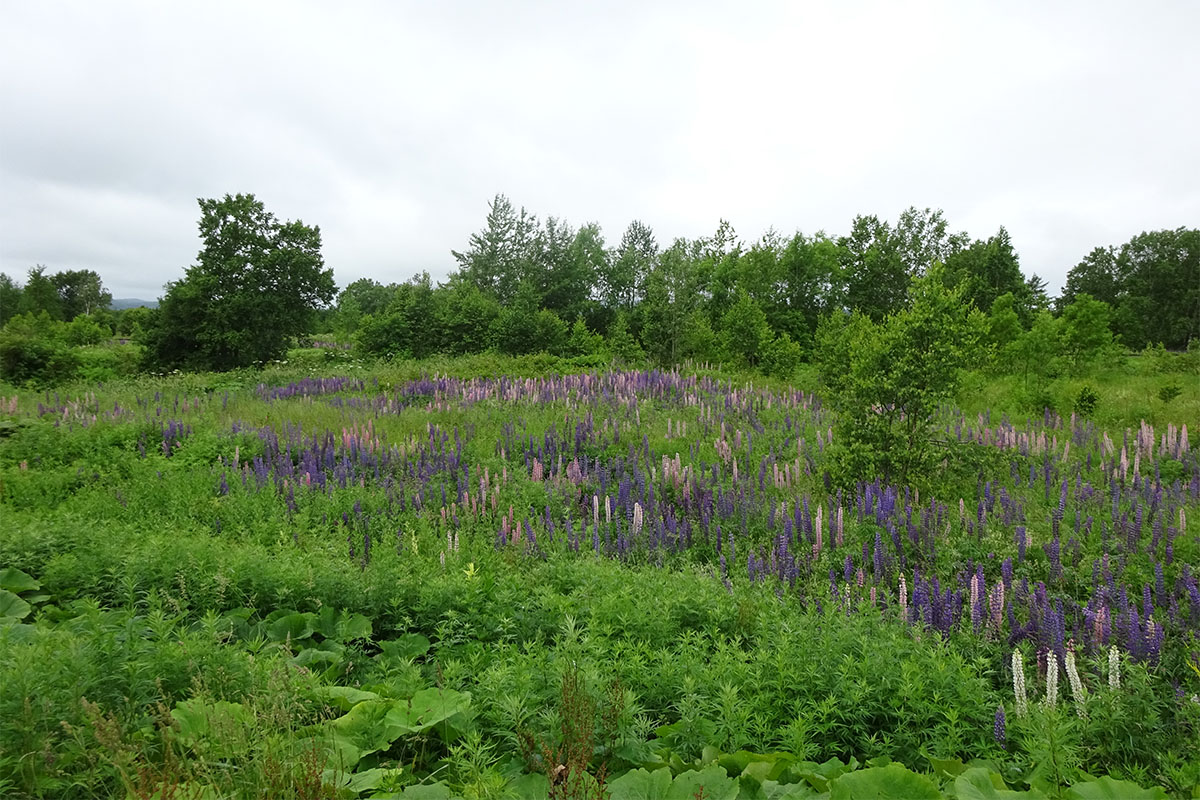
(121, 303)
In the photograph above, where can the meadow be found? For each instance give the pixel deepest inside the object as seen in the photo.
(536, 578)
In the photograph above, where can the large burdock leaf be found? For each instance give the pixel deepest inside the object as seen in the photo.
(427, 708)
(366, 729)
(217, 728)
(638, 784)
(344, 697)
(14, 580)
(1107, 788)
(291, 627)
(978, 783)
(12, 607)
(893, 782)
(711, 783)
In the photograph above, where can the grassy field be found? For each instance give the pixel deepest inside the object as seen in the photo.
(534, 577)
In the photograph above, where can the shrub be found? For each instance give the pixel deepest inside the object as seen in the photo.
(1086, 401)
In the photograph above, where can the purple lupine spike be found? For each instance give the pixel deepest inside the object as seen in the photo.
(998, 728)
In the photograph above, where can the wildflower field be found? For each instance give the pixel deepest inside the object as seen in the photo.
(625, 584)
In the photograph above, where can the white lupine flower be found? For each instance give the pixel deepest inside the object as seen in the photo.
(1018, 670)
(1051, 679)
(1076, 685)
(1114, 668)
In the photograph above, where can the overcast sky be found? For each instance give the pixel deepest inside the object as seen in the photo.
(391, 125)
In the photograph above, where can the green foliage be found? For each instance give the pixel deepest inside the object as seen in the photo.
(889, 379)
(1086, 332)
(33, 350)
(1169, 392)
(1086, 401)
(257, 283)
(745, 332)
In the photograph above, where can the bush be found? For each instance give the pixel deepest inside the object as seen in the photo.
(1086, 401)
(782, 357)
(1169, 392)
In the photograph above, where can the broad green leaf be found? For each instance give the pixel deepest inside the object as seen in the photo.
(12, 606)
(410, 645)
(183, 791)
(716, 785)
(365, 727)
(427, 708)
(787, 791)
(291, 627)
(978, 783)
(344, 697)
(893, 782)
(529, 786)
(219, 728)
(353, 626)
(638, 784)
(17, 581)
(947, 767)
(428, 791)
(1107, 788)
(370, 779)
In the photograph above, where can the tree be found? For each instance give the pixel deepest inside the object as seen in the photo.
(1096, 275)
(1159, 296)
(745, 331)
(622, 276)
(40, 294)
(498, 256)
(987, 269)
(80, 292)
(10, 299)
(874, 274)
(257, 283)
(888, 379)
(1086, 331)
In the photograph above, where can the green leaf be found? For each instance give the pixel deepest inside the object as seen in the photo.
(217, 728)
(365, 728)
(12, 607)
(978, 783)
(427, 708)
(17, 581)
(291, 627)
(1110, 789)
(353, 626)
(427, 791)
(638, 784)
(410, 645)
(371, 779)
(716, 785)
(787, 791)
(344, 697)
(893, 782)
(529, 786)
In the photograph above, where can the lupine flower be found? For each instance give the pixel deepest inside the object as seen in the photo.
(1114, 668)
(903, 599)
(1051, 679)
(1073, 679)
(1018, 670)
(998, 728)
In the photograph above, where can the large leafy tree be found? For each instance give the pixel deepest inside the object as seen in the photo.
(257, 282)
(10, 298)
(888, 379)
(1159, 296)
(80, 292)
(498, 257)
(989, 268)
(40, 294)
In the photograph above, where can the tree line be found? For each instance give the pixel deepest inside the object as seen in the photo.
(524, 284)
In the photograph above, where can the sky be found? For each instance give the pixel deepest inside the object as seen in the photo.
(391, 125)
